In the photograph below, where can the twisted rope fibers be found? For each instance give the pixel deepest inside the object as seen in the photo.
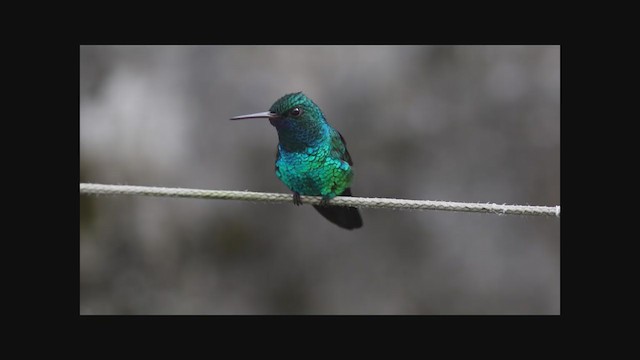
(361, 202)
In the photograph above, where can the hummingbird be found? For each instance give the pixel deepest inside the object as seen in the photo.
(312, 157)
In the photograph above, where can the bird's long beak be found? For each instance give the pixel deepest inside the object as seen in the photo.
(261, 115)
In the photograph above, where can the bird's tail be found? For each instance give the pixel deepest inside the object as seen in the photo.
(345, 217)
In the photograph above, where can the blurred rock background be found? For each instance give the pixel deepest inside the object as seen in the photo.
(458, 123)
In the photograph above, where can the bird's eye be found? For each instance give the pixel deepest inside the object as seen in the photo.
(296, 111)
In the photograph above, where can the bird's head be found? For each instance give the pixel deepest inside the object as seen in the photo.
(295, 108)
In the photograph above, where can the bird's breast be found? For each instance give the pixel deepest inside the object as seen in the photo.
(313, 171)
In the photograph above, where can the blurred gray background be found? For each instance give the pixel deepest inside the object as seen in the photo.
(457, 123)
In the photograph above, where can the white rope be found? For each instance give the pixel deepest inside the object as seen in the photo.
(378, 203)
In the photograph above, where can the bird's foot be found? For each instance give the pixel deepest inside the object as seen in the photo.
(296, 198)
(324, 201)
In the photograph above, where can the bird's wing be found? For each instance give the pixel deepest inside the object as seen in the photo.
(339, 147)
